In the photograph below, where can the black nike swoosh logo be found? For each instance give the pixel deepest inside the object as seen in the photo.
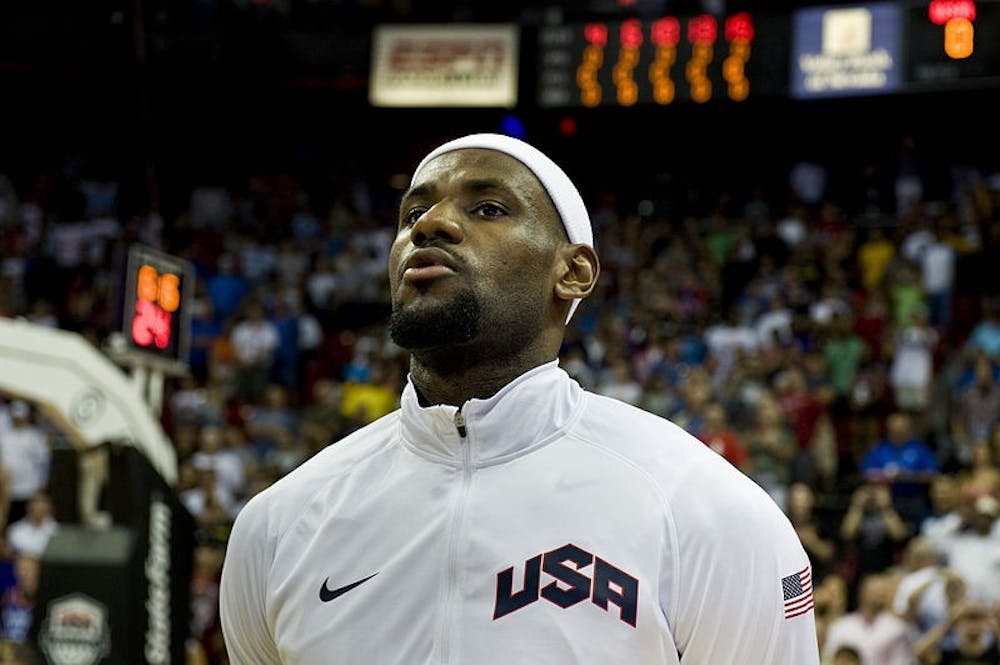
(326, 595)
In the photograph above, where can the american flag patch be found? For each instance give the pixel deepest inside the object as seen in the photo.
(798, 592)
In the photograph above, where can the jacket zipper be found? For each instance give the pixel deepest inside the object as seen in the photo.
(448, 629)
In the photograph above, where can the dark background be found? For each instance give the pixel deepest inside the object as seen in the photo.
(165, 95)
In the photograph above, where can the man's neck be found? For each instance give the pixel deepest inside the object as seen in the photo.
(451, 378)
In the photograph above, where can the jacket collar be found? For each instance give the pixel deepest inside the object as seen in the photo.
(529, 411)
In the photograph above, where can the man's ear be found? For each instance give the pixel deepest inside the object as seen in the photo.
(579, 269)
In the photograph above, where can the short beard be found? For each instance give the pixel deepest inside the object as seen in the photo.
(450, 324)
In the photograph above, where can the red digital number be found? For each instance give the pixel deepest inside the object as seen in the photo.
(703, 30)
(156, 297)
(151, 325)
(596, 34)
(666, 31)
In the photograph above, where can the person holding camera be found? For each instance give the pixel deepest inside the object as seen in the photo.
(872, 530)
(974, 631)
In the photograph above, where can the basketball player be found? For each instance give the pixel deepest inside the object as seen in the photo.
(504, 514)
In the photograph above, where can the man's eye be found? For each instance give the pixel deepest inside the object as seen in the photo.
(411, 216)
(489, 209)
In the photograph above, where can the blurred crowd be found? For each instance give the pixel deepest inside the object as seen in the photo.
(842, 351)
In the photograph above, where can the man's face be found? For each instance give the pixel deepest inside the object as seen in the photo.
(474, 258)
(874, 593)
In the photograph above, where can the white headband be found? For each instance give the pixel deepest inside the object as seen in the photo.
(569, 204)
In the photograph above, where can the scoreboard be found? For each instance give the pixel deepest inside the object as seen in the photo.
(655, 61)
(913, 45)
(953, 43)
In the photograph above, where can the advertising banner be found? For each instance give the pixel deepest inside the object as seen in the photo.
(444, 65)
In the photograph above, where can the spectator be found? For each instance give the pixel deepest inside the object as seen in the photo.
(927, 588)
(255, 341)
(879, 636)
(272, 425)
(213, 512)
(287, 317)
(873, 321)
(617, 381)
(26, 454)
(805, 412)
(973, 636)
(974, 552)
(222, 361)
(17, 605)
(911, 372)
(31, 533)
(574, 361)
(748, 385)
(985, 335)
(830, 603)
(946, 516)
(872, 530)
(258, 258)
(906, 463)
(982, 476)
(774, 325)
(720, 437)
(870, 400)
(191, 404)
(905, 294)
(228, 464)
(321, 421)
(726, 340)
(874, 255)
(206, 326)
(657, 396)
(831, 305)
(792, 226)
(206, 630)
(846, 656)
(771, 447)
(226, 288)
(975, 411)
(322, 283)
(819, 544)
(695, 393)
(845, 351)
(937, 271)
(365, 401)
(807, 182)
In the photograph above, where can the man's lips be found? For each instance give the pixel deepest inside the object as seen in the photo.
(429, 263)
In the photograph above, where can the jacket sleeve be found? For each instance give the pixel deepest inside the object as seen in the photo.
(243, 587)
(744, 591)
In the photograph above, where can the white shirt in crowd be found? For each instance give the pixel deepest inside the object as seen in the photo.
(937, 265)
(26, 537)
(254, 341)
(885, 640)
(932, 608)
(976, 558)
(26, 454)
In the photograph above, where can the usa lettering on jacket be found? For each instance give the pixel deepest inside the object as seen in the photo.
(570, 585)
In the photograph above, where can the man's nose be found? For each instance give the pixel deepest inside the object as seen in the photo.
(440, 222)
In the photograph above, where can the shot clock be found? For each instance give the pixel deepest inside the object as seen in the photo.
(157, 319)
(954, 44)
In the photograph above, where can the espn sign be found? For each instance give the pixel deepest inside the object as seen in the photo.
(444, 65)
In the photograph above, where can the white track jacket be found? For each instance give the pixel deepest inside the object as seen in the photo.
(545, 525)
